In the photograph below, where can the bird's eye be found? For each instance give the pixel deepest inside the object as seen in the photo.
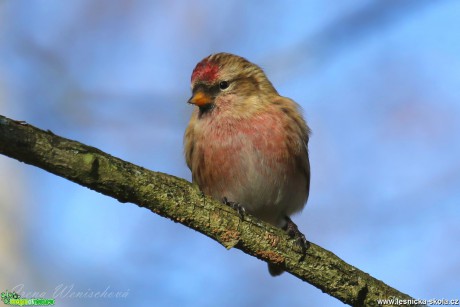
(223, 85)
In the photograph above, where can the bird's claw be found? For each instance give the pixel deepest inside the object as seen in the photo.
(294, 232)
(236, 206)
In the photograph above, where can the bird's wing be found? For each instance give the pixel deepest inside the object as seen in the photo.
(299, 128)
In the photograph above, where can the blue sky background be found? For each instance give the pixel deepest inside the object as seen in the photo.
(379, 82)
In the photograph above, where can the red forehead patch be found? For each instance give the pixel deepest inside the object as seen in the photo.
(206, 71)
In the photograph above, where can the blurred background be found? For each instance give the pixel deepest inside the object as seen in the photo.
(379, 82)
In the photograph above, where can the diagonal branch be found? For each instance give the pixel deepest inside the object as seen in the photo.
(180, 201)
(345, 32)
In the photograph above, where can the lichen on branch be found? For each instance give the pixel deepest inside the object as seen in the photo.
(182, 202)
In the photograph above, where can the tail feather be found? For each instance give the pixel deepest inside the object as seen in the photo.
(275, 270)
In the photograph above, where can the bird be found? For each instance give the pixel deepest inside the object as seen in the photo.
(246, 144)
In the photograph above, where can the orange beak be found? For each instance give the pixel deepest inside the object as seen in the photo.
(200, 99)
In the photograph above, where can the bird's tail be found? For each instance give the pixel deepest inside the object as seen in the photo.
(275, 270)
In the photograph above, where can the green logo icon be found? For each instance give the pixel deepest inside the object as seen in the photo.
(12, 298)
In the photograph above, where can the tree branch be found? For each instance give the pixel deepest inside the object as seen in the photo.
(180, 201)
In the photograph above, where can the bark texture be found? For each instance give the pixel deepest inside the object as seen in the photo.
(181, 201)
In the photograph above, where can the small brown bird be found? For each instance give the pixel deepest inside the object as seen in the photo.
(246, 144)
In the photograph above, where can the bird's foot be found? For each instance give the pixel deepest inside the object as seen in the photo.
(236, 206)
(294, 232)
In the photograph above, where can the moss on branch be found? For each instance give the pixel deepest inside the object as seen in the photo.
(182, 202)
